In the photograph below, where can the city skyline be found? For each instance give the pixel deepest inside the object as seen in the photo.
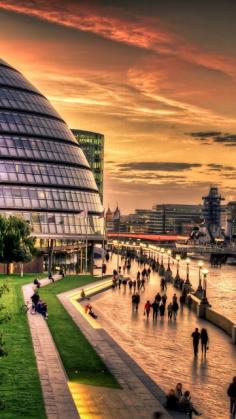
(157, 80)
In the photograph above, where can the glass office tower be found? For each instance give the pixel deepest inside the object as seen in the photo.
(44, 175)
(92, 144)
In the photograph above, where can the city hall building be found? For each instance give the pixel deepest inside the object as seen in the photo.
(44, 175)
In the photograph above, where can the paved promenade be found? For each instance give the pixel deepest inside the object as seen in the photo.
(164, 349)
(139, 395)
(59, 403)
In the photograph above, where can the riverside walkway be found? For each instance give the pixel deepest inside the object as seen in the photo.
(164, 349)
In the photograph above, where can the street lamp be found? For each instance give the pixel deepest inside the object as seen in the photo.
(187, 269)
(204, 298)
(177, 277)
(162, 254)
(200, 265)
(169, 255)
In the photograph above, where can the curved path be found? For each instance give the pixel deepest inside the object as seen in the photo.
(164, 349)
(138, 398)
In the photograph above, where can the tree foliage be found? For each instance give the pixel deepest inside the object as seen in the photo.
(16, 244)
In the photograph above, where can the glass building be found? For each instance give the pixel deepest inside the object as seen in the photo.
(44, 175)
(92, 144)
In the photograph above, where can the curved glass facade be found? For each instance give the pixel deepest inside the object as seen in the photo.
(44, 175)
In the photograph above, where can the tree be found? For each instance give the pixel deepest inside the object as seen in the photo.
(16, 244)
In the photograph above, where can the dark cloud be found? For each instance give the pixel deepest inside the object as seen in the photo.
(158, 166)
(204, 134)
(219, 167)
(211, 137)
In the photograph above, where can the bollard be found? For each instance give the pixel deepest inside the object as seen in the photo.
(234, 334)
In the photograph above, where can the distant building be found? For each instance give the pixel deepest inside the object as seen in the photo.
(212, 212)
(139, 221)
(92, 144)
(174, 218)
(113, 220)
(231, 219)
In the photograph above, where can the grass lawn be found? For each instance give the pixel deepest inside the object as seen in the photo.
(20, 385)
(80, 360)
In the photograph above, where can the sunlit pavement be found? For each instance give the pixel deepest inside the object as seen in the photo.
(164, 348)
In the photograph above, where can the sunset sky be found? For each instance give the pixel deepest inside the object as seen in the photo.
(158, 78)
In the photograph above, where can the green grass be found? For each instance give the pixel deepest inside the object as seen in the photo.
(80, 360)
(20, 385)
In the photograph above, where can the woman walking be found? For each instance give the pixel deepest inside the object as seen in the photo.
(147, 308)
(204, 340)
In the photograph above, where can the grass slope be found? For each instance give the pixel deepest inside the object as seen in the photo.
(80, 360)
(20, 385)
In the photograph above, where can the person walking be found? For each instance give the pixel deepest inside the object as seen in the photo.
(175, 298)
(204, 340)
(164, 299)
(175, 308)
(182, 301)
(133, 299)
(170, 311)
(155, 307)
(147, 308)
(196, 337)
(130, 284)
(134, 284)
(143, 283)
(232, 395)
(158, 298)
(137, 300)
(162, 310)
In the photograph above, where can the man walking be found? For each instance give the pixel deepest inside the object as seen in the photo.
(232, 394)
(196, 337)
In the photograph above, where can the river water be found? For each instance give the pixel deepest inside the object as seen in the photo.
(221, 285)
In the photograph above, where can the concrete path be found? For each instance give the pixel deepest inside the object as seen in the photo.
(59, 403)
(139, 395)
(164, 348)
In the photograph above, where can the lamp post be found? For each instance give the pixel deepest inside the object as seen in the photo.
(161, 267)
(168, 273)
(177, 277)
(162, 254)
(169, 255)
(187, 269)
(204, 298)
(199, 291)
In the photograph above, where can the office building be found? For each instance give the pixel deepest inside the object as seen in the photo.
(174, 218)
(92, 144)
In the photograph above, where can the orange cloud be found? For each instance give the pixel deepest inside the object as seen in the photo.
(146, 33)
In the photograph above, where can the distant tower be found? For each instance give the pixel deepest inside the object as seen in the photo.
(212, 212)
(116, 220)
(109, 220)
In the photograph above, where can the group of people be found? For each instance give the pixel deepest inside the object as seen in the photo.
(159, 306)
(38, 305)
(203, 337)
(181, 401)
